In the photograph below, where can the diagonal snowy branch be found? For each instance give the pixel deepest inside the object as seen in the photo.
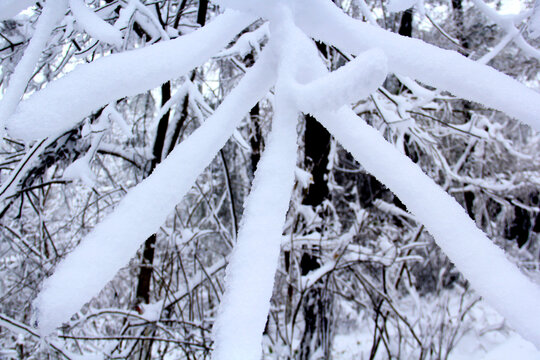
(506, 22)
(115, 240)
(476, 257)
(52, 14)
(350, 83)
(244, 308)
(65, 102)
(95, 26)
(443, 69)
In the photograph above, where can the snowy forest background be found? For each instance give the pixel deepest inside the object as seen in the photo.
(358, 277)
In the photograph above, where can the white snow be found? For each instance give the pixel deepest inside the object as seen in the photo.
(94, 25)
(89, 86)
(250, 275)
(303, 177)
(483, 337)
(443, 69)
(247, 42)
(303, 84)
(350, 83)
(80, 170)
(478, 259)
(514, 348)
(115, 240)
(52, 13)
(118, 119)
(10, 8)
(400, 5)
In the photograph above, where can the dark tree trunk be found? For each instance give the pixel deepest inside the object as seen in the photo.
(317, 302)
(201, 14)
(255, 140)
(181, 121)
(317, 148)
(255, 137)
(521, 226)
(406, 24)
(145, 273)
(144, 280)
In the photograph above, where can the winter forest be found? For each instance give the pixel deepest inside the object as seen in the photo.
(269, 179)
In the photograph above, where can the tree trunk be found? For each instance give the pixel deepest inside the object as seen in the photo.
(144, 279)
(317, 302)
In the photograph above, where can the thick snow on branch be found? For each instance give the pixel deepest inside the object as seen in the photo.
(52, 13)
(479, 260)
(63, 103)
(10, 8)
(443, 69)
(94, 25)
(250, 275)
(400, 5)
(476, 257)
(247, 42)
(350, 83)
(115, 240)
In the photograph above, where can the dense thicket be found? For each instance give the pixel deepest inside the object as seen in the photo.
(352, 256)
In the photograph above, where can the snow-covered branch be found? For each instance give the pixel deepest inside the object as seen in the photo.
(115, 240)
(89, 86)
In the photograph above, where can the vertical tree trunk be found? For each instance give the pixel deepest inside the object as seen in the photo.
(201, 14)
(317, 302)
(145, 274)
(255, 140)
(144, 279)
(406, 24)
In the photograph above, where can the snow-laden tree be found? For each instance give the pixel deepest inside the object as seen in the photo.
(113, 114)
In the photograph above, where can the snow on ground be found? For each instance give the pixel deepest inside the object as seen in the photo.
(488, 339)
